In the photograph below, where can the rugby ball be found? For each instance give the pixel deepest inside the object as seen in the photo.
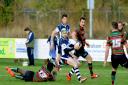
(77, 45)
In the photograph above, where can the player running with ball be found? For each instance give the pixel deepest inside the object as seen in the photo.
(79, 36)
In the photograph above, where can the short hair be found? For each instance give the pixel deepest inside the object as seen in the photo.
(121, 23)
(82, 18)
(64, 15)
(27, 29)
(115, 25)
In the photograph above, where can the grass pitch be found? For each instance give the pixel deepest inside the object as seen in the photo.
(104, 72)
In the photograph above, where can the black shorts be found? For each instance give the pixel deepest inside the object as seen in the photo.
(118, 59)
(28, 76)
(81, 52)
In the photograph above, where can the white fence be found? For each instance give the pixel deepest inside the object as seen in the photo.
(96, 49)
(17, 49)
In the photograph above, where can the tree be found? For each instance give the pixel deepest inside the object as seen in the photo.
(6, 11)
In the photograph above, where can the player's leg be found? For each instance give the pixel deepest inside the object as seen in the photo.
(115, 62)
(12, 74)
(50, 65)
(124, 61)
(89, 61)
(69, 75)
(113, 75)
(71, 62)
(27, 75)
(16, 70)
(77, 54)
(86, 56)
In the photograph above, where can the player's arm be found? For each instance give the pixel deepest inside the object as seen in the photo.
(69, 32)
(126, 45)
(58, 57)
(54, 33)
(30, 38)
(70, 50)
(106, 55)
(107, 50)
(52, 36)
(72, 55)
(57, 62)
(86, 43)
(77, 46)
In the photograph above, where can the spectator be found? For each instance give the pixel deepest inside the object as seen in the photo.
(30, 45)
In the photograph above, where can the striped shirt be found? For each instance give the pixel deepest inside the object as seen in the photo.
(42, 75)
(116, 41)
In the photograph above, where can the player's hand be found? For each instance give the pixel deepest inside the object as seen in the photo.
(57, 67)
(26, 44)
(104, 64)
(87, 45)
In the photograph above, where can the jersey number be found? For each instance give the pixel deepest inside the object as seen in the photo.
(42, 74)
(116, 43)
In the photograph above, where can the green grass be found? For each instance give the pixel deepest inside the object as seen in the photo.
(104, 72)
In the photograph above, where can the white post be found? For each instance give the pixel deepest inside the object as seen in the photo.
(91, 23)
(90, 6)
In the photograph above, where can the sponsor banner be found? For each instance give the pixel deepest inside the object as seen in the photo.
(41, 49)
(16, 48)
(7, 48)
(97, 49)
(21, 50)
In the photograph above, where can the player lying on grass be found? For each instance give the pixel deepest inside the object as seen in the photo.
(64, 50)
(44, 74)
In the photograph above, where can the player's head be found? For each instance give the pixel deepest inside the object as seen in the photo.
(115, 25)
(64, 18)
(82, 21)
(120, 26)
(27, 30)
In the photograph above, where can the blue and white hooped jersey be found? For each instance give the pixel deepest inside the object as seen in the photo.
(60, 27)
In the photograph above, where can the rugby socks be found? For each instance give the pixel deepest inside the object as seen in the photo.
(19, 76)
(10, 71)
(71, 72)
(50, 66)
(76, 70)
(90, 68)
(113, 77)
(15, 69)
